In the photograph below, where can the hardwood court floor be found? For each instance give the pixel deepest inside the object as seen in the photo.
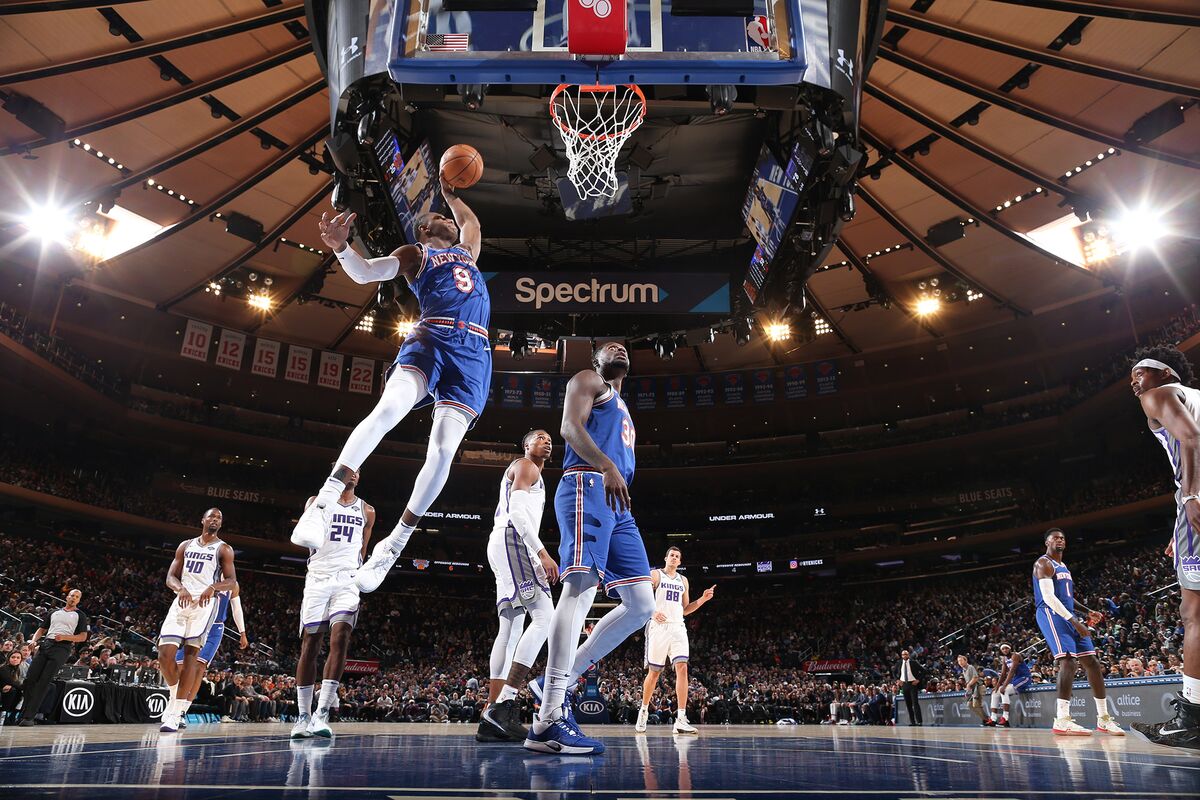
(367, 761)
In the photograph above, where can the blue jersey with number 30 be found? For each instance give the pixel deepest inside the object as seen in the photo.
(449, 285)
(611, 428)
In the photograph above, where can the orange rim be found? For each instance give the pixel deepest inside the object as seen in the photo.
(599, 88)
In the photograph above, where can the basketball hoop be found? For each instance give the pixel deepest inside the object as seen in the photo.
(594, 122)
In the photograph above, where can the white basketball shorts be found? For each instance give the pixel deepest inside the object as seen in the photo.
(188, 626)
(328, 598)
(666, 642)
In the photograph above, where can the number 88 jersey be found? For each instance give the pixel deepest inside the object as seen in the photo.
(448, 284)
(342, 548)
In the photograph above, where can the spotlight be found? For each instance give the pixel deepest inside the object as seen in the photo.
(260, 301)
(404, 327)
(1138, 228)
(48, 223)
(778, 331)
(366, 128)
(742, 330)
(664, 346)
(928, 305)
(721, 98)
(472, 94)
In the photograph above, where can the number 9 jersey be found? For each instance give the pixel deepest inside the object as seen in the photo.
(449, 346)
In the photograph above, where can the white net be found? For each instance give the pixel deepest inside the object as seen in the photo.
(594, 122)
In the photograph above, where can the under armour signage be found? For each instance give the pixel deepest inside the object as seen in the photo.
(610, 292)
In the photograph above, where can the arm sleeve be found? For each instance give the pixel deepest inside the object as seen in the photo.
(362, 270)
(235, 605)
(525, 517)
(1051, 600)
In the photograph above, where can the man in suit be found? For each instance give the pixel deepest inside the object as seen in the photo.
(911, 674)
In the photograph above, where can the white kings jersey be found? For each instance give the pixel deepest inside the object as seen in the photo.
(1191, 402)
(201, 566)
(668, 597)
(503, 520)
(342, 549)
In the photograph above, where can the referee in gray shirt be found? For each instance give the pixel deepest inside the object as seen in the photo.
(60, 631)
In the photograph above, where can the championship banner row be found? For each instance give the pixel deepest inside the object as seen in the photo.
(228, 348)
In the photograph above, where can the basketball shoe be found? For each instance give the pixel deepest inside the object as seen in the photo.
(313, 526)
(300, 729)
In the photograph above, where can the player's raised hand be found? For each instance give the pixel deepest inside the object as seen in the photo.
(447, 187)
(616, 491)
(708, 593)
(335, 232)
(549, 565)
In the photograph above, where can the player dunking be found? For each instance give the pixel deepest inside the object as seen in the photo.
(666, 637)
(330, 603)
(447, 360)
(202, 567)
(1067, 638)
(524, 574)
(600, 540)
(227, 602)
(1161, 379)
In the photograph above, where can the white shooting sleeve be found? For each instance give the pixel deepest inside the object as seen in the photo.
(235, 605)
(526, 518)
(1051, 600)
(361, 270)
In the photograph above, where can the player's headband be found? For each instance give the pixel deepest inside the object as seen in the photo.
(1156, 364)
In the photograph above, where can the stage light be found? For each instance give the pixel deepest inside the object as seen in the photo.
(366, 323)
(742, 330)
(49, 224)
(721, 98)
(778, 331)
(519, 345)
(664, 346)
(821, 326)
(1139, 227)
(404, 327)
(973, 295)
(260, 301)
(928, 305)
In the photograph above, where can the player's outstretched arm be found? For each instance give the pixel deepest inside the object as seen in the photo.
(174, 573)
(335, 233)
(469, 236)
(228, 580)
(688, 605)
(525, 516)
(1163, 404)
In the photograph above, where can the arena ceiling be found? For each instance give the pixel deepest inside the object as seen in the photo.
(206, 109)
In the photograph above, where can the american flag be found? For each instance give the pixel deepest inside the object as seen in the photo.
(447, 42)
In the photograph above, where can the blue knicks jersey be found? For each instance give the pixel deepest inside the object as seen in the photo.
(222, 600)
(449, 285)
(1022, 669)
(1064, 588)
(611, 428)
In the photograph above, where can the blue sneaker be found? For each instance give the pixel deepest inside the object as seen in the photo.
(563, 737)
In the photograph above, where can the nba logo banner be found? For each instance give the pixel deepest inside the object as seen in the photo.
(543, 392)
(330, 373)
(362, 375)
(795, 385)
(704, 390)
(734, 385)
(596, 27)
(196, 340)
(512, 391)
(299, 364)
(758, 34)
(764, 386)
(826, 377)
(231, 348)
(676, 392)
(266, 358)
(646, 395)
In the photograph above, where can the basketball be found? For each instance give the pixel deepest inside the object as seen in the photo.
(462, 166)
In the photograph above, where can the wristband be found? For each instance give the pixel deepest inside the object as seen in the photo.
(1183, 501)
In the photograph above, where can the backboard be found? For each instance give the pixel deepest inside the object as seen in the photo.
(434, 46)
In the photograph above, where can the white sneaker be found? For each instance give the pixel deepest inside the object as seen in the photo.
(371, 574)
(1065, 726)
(227, 718)
(319, 726)
(682, 725)
(300, 729)
(170, 723)
(183, 722)
(1106, 724)
(313, 526)
(643, 717)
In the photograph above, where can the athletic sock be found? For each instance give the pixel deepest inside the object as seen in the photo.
(331, 491)
(304, 699)
(398, 538)
(328, 692)
(1101, 706)
(174, 690)
(1063, 708)
(506, 694)
(184, 705)
(1191, 689)
(178, 707)
(645, 707)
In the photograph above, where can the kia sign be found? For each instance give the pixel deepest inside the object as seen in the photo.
(156, 704)
(78, 702)
(610, 292)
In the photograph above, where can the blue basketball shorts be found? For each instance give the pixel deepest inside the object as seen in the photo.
(1061, 637)
(594, 537)
(454, 358)
(209, 651)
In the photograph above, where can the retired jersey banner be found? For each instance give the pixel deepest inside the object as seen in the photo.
(231, 349)
(832, 665)
(362, 375)
(676, 391)
(704, 390)
(266, 358)
(826, 377)
(764, 385)
(733, 385)
(795, 385)
(609, 292)
(542, 392)
(299, 364)
(330, 373)
(512, 391)
(196, 339)
(560, 390)
(645, 394)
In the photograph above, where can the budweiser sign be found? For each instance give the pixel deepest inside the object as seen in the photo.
(836, 665)
(362, 666)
